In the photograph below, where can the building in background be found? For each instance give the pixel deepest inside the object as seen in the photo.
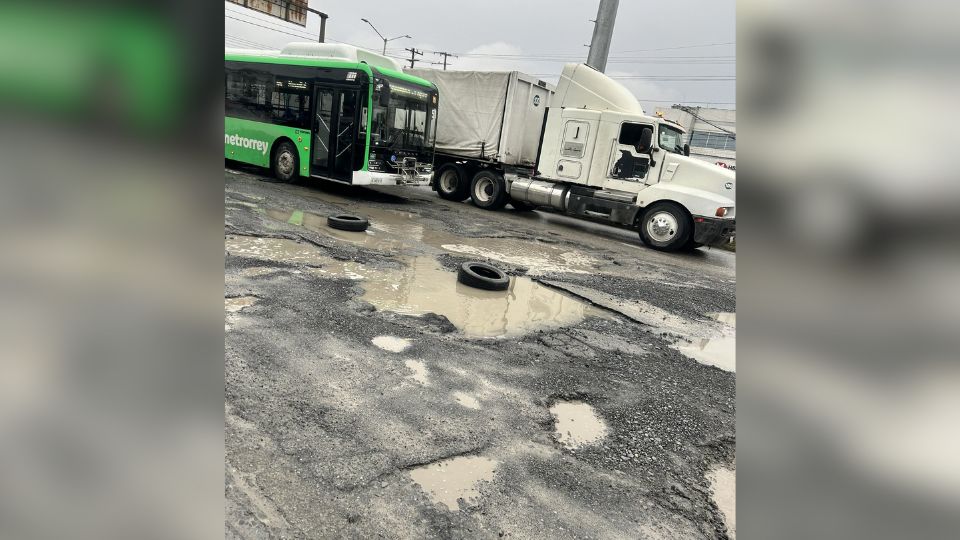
(294, 11)
(711, 133)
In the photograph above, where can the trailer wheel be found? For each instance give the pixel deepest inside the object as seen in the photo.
(285, 162)
(452, 182)
(665, 227)
(488, 190)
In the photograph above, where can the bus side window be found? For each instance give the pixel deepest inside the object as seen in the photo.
(249, 94)
(291, 103)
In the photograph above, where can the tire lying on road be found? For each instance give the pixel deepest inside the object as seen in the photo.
(482, 276)
(346, 222)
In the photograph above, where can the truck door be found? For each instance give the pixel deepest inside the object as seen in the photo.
(573, 151)
(631, 168)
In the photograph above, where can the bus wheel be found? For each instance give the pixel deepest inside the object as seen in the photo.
(452, 183)
(286, 162)
(488, 190)
(665, 227)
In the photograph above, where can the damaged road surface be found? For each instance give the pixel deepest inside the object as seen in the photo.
(370, 395)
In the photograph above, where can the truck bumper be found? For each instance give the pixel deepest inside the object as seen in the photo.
(711, 231)
(369, 178)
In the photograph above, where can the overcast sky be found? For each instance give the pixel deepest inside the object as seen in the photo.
(677, 51)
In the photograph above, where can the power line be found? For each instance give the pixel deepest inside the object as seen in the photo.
(269, 28)
(680, 47)
(704, 120)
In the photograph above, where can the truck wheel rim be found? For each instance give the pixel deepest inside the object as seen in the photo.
(484, 189)
(662, 226)
(448, 181)
(285, 163)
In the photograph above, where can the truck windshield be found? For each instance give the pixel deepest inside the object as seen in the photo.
(670, 139)
(407, 122)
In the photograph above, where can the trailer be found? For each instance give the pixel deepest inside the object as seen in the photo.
(584, 148)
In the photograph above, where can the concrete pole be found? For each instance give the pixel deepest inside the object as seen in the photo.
(602, 34)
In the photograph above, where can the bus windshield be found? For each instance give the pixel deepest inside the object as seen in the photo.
(407, 123)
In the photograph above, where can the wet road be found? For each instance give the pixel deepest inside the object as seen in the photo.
(368, 394)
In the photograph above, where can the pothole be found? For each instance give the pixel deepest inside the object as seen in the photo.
(577, 424)
(392, 343)
(236, 304)
(256, 271)
(233, 306)
(723, 487)
(275, 249)
(394, 231)
(423, 286)
(449, 481)
(720, 352)
(419, 370)
(466, 400)
(729, 319)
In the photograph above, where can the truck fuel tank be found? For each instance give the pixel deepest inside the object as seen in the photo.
(540, 193)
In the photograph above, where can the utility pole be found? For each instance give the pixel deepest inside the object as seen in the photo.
(602, 34)
(323, 23)
(385, 40)
(413, 55)
(445, 55)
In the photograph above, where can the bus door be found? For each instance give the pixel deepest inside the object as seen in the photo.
(334, 132)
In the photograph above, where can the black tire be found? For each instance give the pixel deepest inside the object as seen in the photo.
(346, 222)
(285, 162)
(482, 276)
(666, 227)
(452, 182)
(489, 190)
(521, 206)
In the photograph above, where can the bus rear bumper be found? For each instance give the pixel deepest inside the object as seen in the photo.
(367, 178)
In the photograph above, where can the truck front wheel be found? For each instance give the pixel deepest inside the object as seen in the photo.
(489, 190)
(665, 227)
(452, 183)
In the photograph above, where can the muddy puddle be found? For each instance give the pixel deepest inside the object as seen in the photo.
(720, 351)
(577, 424)
(392, 343)
(396, 231)
(275, 249)
(419, 370)
(423, 286)
(466, 400)
(233, 306)
(448, 481)
(729, 319)
(723, 487)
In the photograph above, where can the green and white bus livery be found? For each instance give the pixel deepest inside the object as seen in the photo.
(332, 112)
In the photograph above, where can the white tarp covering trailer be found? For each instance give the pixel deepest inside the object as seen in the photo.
(489, 115)
(585, 148)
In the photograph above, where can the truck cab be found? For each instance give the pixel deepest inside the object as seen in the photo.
(618, 165)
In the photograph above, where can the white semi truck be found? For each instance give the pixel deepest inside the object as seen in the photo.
(585, 148)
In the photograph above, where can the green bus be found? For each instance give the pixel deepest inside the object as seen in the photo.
(332, 112)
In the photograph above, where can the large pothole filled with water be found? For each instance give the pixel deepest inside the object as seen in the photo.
(451, 480)
(423, 286)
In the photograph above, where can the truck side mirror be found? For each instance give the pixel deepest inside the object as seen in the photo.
(686, 149)
(646, 139)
